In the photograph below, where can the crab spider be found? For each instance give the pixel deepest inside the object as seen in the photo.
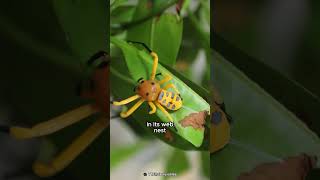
(150, 91)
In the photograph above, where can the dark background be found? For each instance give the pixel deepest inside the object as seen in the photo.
(282, 34)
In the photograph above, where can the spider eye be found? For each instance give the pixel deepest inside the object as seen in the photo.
(147, 94)
(152, 83)
(141, 81)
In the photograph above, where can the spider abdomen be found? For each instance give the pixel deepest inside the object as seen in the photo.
(170, 100)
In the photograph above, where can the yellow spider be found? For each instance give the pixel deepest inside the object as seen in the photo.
(101, 96)
(151, 92)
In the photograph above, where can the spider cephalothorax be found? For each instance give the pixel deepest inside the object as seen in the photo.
(148, 89)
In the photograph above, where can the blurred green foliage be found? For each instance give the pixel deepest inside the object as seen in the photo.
(178, 168)
(243, 31)
(117, 155)
(40, 70)
(263, 130)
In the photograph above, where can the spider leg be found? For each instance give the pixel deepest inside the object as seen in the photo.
(164, 111)
(54, 124)
(171, 86)
(154, 56)
(126, 101)
(154, 109)
(71, 152)
(165, 79)
(132, 109)
(155, 64)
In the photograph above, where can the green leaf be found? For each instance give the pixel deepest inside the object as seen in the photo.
(263, 130)
(166, 37)
(185, 7)
(122, 14)
(139, 64)
(162, 34)
(204, 93)
(177, 163)
(85, 24)
(117, 3)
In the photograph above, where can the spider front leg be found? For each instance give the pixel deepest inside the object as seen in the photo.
(154, 56)
(126, 101)
(164, 111)
(132, 109)
(155, 64)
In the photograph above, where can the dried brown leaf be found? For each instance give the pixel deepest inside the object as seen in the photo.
(196, 120)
